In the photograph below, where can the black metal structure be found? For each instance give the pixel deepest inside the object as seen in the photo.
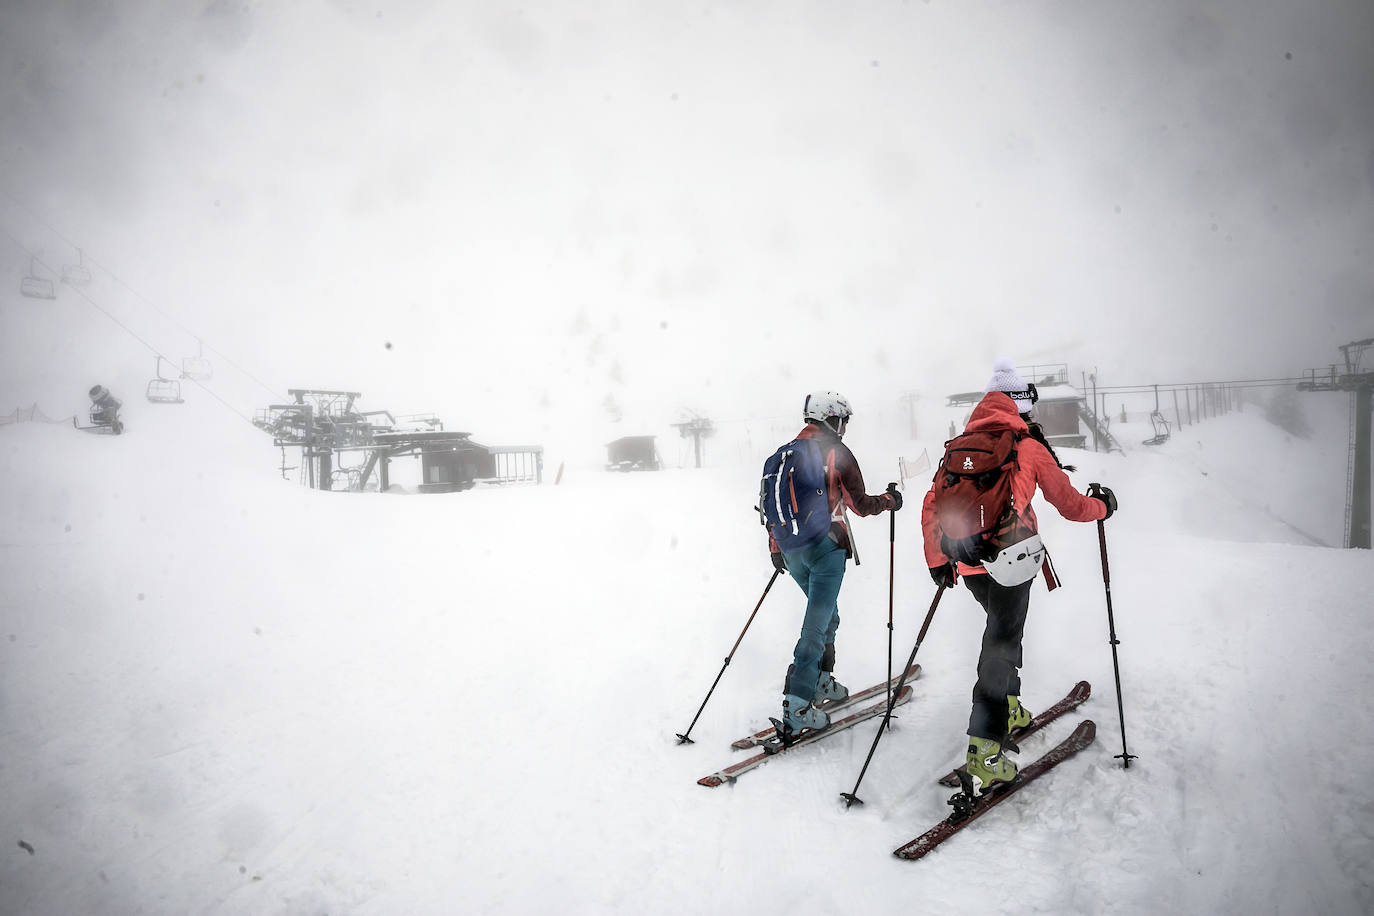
(1359, 382)
(104, 412)
(324, 424)
(699, 428)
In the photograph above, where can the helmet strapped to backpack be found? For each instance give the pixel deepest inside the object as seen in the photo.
(828, 407)
(1018, 563)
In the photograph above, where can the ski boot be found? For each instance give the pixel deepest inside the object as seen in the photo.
(1018, 716)
(798, 717)
(986, 770)
(829, 690)
(987, 766)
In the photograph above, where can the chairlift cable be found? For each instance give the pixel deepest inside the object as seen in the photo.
(128, 330)
(146, 301)
(142, 298)
(1236, 383)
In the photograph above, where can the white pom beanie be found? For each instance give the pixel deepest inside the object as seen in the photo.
(1005, 378)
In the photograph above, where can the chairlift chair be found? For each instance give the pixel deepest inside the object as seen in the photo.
(1161, 427)
(197, 368)
(36, 287)
(76, 274)
(163, 390)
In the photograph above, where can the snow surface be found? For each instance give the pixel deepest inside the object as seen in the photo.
(224, 693)
(221, 693)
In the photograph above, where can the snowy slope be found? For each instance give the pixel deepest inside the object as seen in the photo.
(223, 693)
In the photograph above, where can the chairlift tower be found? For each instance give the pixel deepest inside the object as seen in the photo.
(698, 427)
(319, 421)
(1360, 383)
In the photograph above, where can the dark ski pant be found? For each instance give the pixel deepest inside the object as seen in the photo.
(999, 662)
(819, 571)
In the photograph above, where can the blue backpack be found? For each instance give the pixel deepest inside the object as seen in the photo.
(792, 495)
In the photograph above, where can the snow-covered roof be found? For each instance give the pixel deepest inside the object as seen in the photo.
(1059, 393)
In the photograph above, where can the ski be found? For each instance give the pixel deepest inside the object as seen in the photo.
(758, 738)
(1082, 737)
(775, 747)
(1075, 697)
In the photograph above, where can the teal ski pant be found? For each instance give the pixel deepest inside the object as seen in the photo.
(818, 570)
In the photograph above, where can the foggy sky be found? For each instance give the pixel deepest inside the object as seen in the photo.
(723, 206)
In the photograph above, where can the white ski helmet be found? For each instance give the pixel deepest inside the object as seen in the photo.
(823, 405)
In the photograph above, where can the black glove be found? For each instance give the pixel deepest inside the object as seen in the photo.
(943, 576)
(1108, 499)
(896, 496)
(779, 561)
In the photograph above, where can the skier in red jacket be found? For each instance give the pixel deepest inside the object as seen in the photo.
(996, 694)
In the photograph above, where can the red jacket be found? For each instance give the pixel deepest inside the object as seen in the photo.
(1035, 467)
(843, 480)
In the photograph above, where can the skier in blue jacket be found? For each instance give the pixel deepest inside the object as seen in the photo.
(818, 569)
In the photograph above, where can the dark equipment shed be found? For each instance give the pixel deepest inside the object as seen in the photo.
(452, 461)
(632, 453)
(1059, 409)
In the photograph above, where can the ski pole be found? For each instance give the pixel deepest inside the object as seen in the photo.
(1124, 756)
(852, 796)
(891, 576)
(683, 738)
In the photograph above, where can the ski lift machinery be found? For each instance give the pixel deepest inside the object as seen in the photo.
(196, 368)
(163, 390)
(36, 287)
(104, 413)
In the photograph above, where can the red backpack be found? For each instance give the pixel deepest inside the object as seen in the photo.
(973, 499)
